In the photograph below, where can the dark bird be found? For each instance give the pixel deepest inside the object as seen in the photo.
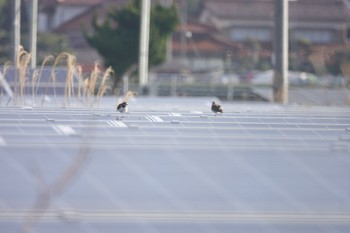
(216, 108)
(122, 108)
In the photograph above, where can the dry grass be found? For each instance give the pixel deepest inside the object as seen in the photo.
(71, 68)
(89, 89)
(96, 85)
(22, 60)
(37, 75)
(104, 83)
(79, 72)
(129, 95)
(93, 78)
(90, 84)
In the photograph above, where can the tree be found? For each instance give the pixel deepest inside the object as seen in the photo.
(338, 60)
(117, 38)
(301, 59)
(340, 65)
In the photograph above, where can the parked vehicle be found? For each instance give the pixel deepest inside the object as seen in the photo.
(295, 78)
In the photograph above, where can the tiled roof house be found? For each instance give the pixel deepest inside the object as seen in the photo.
(221, 28)
(197, 50)
(324, 23)
(320, 21)
(201, 44)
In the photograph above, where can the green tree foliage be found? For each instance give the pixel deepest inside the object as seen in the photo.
(340, 65)
(117, 38)
(300, 60)
(338, 61)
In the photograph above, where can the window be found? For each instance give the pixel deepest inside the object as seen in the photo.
(315, 36)
(242, 34)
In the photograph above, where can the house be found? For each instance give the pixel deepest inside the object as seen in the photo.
(69, 17)
(319, 21)
(201, 45)
(210, 42)
(198, 53)
(54, 13)
(325, 24)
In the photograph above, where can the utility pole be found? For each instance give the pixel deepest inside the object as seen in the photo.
(16, 7)
(183, 15)
(144, 43)
(280, 82)
(33, 33)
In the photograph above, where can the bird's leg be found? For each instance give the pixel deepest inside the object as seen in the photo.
(119, 118)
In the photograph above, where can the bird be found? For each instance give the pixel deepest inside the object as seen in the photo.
(216, 108)
(122, 108)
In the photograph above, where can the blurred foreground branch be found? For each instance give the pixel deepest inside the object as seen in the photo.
(44, 199)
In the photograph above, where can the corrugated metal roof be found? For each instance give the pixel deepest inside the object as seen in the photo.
(170, 164)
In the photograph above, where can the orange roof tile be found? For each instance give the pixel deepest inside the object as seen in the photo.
(264, 9)
(327, 51)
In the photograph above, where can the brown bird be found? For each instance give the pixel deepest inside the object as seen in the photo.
(216, 108)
